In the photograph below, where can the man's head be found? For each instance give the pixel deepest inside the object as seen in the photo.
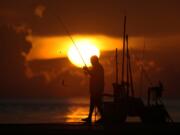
(94, 60)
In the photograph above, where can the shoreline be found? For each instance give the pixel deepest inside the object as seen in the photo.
(80, 128)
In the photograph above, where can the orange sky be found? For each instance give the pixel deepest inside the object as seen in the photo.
(57, 46)
(153, 23)
(49, 47)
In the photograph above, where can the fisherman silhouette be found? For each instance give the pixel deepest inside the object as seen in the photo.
(96, 87)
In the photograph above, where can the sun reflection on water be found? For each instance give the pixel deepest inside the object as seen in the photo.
(76, 114)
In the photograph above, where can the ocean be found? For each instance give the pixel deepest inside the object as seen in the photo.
(59, 111)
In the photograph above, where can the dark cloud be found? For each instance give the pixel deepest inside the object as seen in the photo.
(64, 78)
(76, 83)
(13, 78)
(145, 18)
(39, 10)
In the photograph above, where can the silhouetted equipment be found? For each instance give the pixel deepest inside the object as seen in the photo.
(155, 110)
(125, 103)
(155, 94)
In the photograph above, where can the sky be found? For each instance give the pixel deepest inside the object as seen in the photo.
(153, 24)
(145, 18)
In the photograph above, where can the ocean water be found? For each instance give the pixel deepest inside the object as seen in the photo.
(59, 111)
(173, 107)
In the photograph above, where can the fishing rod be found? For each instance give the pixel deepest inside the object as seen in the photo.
(68, 33)
(59, 19)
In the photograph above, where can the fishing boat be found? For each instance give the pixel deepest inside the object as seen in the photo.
(125, 104)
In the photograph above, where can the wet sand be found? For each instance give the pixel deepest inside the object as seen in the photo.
(84, 129)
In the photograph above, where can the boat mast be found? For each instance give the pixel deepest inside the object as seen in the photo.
(117, 71)
(123, 53)
(127, 66)
(129, 71)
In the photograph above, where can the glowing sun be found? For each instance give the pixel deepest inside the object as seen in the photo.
(86, 49)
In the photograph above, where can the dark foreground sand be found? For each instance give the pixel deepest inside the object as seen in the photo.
(82, 129)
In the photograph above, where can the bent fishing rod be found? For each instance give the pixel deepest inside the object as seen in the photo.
(59, 19)
(71, 38)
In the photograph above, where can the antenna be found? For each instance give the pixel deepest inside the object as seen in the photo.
(141, 69)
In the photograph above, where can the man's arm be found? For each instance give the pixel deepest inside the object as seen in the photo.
(86, 70)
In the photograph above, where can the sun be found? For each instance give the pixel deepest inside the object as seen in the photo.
(86, 49)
